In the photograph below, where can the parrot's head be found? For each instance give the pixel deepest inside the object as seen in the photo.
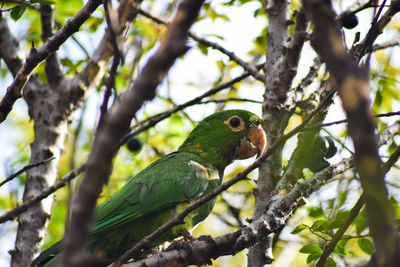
(225, 136)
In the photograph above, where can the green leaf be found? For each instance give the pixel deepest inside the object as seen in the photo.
(203, 49)
(340, 250)
(312, 257)
(395, 204)
(345, 239)
(216, 36)
(343, 197)
(378, 98)
(315, 212)
(93, 23)
(366, 245)
(44, 2)
(17, 12)
(360, 222)
(307, 173)
(298, 229)
(311, 249)
(320, 225)
(330, 263)
(339, 219)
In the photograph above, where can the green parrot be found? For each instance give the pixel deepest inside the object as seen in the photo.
(164, 188)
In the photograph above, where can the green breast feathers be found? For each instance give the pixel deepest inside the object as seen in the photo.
(160, 191)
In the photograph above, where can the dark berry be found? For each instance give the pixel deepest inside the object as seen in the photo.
(349, 21)
(134, 145)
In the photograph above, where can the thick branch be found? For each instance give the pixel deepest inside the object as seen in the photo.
(117, 122)
(280, 209)
(14, 91)
(278, 81)
(53, 70)
(352, 215)
(353, 88)
(11, 214)
(9, 48)
(25, 168)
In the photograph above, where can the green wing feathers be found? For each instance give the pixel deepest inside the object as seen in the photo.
(146, 201)
(161, 185)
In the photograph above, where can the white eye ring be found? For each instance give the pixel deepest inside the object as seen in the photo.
(235, 123)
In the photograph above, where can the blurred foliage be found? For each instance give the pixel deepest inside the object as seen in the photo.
(312, 226)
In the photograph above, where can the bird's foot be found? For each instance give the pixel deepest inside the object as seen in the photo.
(186, 244)
(180, 244)
(187, 236)
(183, 243)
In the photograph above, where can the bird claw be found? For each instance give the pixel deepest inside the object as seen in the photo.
(186, 243)
(179, 244)
(187, 236)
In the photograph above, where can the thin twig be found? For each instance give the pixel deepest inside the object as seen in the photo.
(25, 168)
(353, 214)
(385, 45)
(11, 214)
(375, 30)
(339, 233)
(313, 127)
(116, 46)
(247, 66)
(229, 100)
(14, 91)
(178, 219)
(272, 220)
(106, 142)
(150, 122)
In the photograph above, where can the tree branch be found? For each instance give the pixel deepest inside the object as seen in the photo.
(14, 91)
(280, 68)
(153, 120)
(352, 215)
(9, 48)
(375, 30)
(11, 214)
(280, 209)
(116, 123)
(52, 68)
(381, 115)
(385, 45)
(247, 66)
(353, 88)
(117, 47)
(25, 168)
(93, 72)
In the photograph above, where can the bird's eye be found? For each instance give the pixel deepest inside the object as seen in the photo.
(234, 122)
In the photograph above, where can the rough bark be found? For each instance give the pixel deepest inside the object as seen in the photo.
(353, 87)
(115, 125)
(50, 106)
(275, 119)
(201, 250)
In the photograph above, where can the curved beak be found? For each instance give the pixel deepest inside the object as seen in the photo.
(252, 144)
